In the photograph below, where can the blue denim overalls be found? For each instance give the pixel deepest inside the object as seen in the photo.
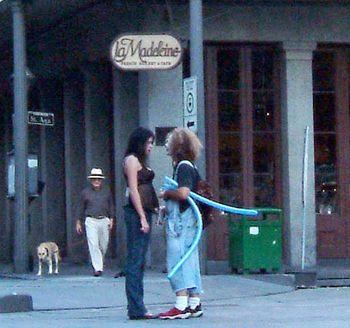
(181, 229)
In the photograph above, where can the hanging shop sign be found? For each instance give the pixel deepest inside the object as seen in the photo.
(145, 52)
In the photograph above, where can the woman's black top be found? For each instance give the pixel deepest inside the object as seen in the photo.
(146, 190)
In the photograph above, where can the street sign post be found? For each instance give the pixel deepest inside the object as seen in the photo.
(190, 103)
(41, 118)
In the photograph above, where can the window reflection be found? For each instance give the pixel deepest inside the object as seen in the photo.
(229, 127)
(255, 102)
(262, 67)
(228, 73)
(325, 135)
(323, 71)
(264, 190)
(263, 111)
(263, 120)
(229, 159)
(229, 114)
(325, 174)
(231, 189)
(324, 119)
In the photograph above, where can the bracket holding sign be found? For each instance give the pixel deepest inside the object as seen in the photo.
(190, 103)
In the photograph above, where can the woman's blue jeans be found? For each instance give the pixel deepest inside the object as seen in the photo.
(137, 244)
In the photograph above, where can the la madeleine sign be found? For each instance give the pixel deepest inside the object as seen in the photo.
(146, 52)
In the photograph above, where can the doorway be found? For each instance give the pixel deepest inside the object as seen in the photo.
(243, 131)
(332, 150)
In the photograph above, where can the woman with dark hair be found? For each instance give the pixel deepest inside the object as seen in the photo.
(142, 202)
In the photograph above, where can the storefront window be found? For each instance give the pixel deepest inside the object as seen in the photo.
(246, 118)
(325, 133)
(230, 175)
(264, 185)
(263, 123)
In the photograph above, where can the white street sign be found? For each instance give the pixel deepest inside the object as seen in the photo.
(41, 118)
(190, 96)
(190, 103)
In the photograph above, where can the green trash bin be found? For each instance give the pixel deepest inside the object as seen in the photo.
(255, 243)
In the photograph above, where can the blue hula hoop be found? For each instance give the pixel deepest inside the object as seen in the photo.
(172, 184)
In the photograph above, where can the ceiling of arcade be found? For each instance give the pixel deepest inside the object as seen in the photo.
(43, 16)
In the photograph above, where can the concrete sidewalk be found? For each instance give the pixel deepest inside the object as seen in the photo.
(76, 299)
(76, 288)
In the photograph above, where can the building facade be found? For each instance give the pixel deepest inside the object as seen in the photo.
(271, 69)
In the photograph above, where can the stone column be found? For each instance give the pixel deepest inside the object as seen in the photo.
(98, 118)
(297, 113)
(52, 164)
(160, 99)
(126, 119)
(75, 178)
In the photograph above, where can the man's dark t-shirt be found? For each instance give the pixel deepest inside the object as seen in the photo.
(95, 203)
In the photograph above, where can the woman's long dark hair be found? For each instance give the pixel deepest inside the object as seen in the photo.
(137, 142)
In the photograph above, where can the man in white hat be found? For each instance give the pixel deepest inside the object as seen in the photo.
(97, 208)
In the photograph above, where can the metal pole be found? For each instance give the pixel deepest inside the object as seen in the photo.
(196, 57)
(197, 69)
(20, 139)
(304, 192)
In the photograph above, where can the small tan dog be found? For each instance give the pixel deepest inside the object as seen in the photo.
(47, 252)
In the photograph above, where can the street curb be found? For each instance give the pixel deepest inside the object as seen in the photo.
(16, 303)
(18, 276)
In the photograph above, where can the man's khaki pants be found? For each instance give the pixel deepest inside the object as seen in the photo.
(97, 234)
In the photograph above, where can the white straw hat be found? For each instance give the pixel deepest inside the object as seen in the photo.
(96, 174)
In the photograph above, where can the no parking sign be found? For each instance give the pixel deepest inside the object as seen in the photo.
(190, 103)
